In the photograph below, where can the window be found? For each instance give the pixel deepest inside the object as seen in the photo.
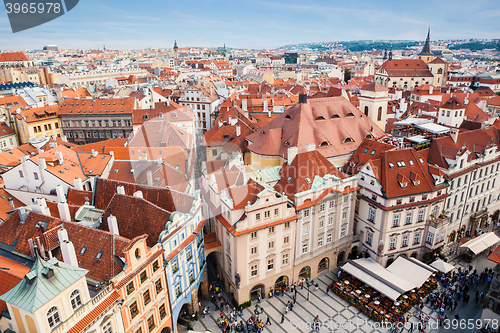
(35, 175)
(21, 174)
(392, 244)
(158, 286)
(305, 248)
(257, 217)
(374, 197)
(399, 201)
(322, 207)
(151, 323)
(430, 236)
(329, 238)
(342, 232)
(147, 297)
(271, 245)
(404, 243)
(369, 237)
(408, 217)
(163, 311)
(53, 317)
(228, 247)
(130, 288)
(424, 197)
(416, 240)
(306, 213)
(330, 220)
(134, 311)
(412, 199)
(371, 215)
(276, 212)
(320, 241)
(344, 215)
(253, 250)
(321, 223)
(214, 152)
(75, 299)
(107, 328)
(156, 266)
(253, 270)
(143, 276)
(253, 235)
(267, 214)
(395, 221)
(287, 225)
(332, 204)
(286, 240)
(177, 289)
(284, 260)
(305, 230)
(271, 230)
(270, 264)
(346, 199)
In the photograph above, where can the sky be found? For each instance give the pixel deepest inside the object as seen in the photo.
(253, 24)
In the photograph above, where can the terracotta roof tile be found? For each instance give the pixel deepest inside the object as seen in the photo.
(93, 315)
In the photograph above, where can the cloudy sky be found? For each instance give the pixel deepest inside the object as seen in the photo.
(125, 24)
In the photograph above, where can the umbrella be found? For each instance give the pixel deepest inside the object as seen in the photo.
(442, 266)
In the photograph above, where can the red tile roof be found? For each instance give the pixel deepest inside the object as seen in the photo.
(89, 107)
(299, 175)
(95, 313)
(245, 194)
(329, 123)
(495, 255)
(13, 56)
(142, 115)
(78, 197)
(368, 150)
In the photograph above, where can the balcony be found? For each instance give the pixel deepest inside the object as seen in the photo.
(439, 221)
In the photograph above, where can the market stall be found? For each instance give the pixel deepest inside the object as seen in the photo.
(442, 266)
(477, 245)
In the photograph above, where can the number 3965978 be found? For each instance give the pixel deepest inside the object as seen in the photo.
(33, 7)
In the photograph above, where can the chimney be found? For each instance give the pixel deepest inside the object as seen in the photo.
(64, 138)
(238, 130)
(454, 134)
(466, 99)
(42, 165)
(94, 153)
(138, 194)
(303, 96)
(32, 247)
(77, 182)
(120, 190)
(264, 101)
(244, 105)
(310, 147)
(431, 89)
(53, 144)
(41, 207)
(159, 161)
(67, 248)
(59, 156)
(113, 225)
(60, 194)
(63, 209)
(149, 176)
(292, 152)
(11, 202)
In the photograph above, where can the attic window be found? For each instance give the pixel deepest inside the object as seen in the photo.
(287, 143)
(416, 183)
(400, 164)
(289, 179)
(391, 165)
(146, 117)
(411, 162)
(287, 117)
(349, 114)
(82, 252)
(372, 153)
(422, 161)
(335, 116)
(263, 132)
(348, 140)
(369, 136)
(365, 151)
(403, 185)
(308, 180)
(115, 171)
(324, 143)
(99, 256)
(320, 118)
(157, 179)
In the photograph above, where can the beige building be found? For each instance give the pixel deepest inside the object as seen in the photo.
(37, 122)
(373, 102)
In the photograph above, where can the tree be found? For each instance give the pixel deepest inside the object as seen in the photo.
(347, 75)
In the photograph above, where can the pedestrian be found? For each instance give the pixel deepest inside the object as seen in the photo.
(327, 290)
(457, 317)
(282, 318)
(268, 321)
(301, 285)
(294, 299)
(258, 299)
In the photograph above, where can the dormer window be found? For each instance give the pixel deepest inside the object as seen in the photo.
(348, 140)
(416, 183)
(372, 153)
(365, 151)
(324, 143)
(391, 165)
(320, 118)
(400, 164)
(403, 185)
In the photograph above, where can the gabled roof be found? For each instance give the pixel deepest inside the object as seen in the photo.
(142, 115)
(11, 277)
(453, 103)
(168, 199)
(13, 56)
(160, 133)
(90, 107)
(45, 280)
(245, 194)
(396, 167)
(299, 175)
(333, 124)
(368, 150)
(374, 86)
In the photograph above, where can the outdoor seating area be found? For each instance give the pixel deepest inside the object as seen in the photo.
(375, 305)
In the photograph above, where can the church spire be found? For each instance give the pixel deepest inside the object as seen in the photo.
(426, 50)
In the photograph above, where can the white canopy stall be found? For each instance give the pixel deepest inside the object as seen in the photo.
(481, 243)
(442, 266)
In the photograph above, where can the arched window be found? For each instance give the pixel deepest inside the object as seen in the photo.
(75, 299)
(348, 140)
(53, 317)
(366, 110)
(379, 116)
(440, 71)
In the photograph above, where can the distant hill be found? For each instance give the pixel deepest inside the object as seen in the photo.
(477, 46)
(357, 45)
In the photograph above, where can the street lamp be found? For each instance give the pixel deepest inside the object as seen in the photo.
(309, 283)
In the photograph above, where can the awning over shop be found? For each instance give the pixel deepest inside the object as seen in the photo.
(378, 277)
(412, 270)
(442, 266)
(417, 139)
(481, 243)
(433, 128)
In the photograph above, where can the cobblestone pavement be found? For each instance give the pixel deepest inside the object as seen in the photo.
(334, 311)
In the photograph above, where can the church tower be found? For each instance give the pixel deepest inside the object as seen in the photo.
(176, 48)
(426, 55)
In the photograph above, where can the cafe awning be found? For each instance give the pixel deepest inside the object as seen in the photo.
(481, 243)
(377, 277)
(442, 266)
(412, 270)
